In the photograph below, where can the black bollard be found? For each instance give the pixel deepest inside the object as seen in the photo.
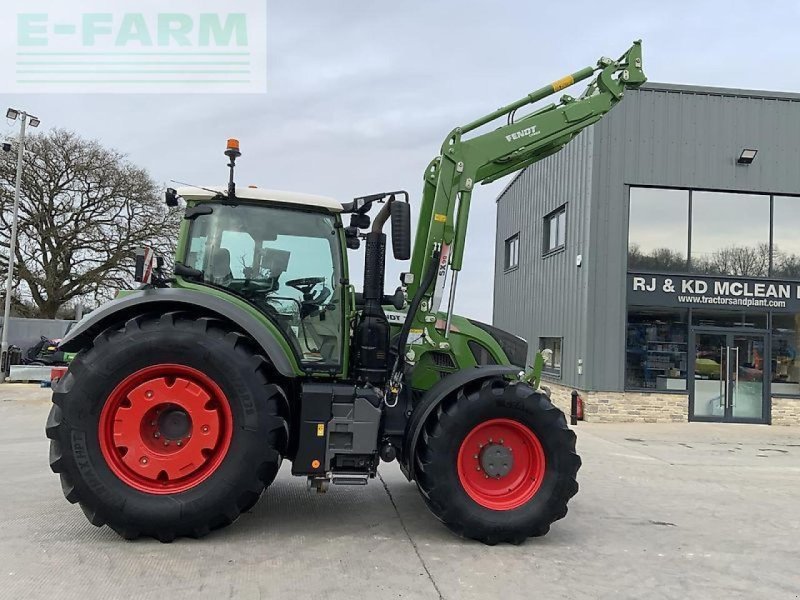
(573, 413)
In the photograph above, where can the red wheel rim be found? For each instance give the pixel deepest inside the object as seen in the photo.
(501, 464)
(165, 429)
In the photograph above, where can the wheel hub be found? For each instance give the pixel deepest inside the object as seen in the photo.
(165, 429)
(501, 464)
(174, 424)
(496, 460)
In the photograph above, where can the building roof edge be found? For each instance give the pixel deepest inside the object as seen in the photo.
(719, 91)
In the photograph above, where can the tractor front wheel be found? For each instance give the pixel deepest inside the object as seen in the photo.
(166, 427)
(496, 462)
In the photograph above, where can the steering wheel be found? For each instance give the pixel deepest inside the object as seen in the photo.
(312, 301)
(305, 285)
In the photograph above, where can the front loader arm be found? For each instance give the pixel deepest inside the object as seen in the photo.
(466, 161)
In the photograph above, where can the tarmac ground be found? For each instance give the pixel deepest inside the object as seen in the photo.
(665, 511)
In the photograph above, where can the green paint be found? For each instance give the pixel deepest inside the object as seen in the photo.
(515, 142)
(534, 375)
(252, 311)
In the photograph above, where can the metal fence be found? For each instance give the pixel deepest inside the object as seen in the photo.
(27, 332)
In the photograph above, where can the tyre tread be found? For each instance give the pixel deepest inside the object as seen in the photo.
(433, 438)
(265, 472)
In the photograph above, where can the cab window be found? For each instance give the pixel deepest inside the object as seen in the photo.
(284, 261)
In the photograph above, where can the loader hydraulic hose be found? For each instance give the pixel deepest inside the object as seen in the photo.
(402, 338)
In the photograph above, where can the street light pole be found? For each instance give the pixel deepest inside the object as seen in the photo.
(12, 246)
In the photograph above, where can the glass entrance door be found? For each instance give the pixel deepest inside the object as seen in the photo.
(746, 397)
(710, 389)
(728, 377)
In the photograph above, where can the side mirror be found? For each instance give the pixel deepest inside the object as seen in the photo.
(171, 197)
(198, 210)
(360, 221)
(401, 230)
(351, 236)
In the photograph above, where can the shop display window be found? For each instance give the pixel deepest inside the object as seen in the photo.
(785, 359)
(656, 350)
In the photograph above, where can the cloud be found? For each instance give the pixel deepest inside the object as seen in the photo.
(362, 93)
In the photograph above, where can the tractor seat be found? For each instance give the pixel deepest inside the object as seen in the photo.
(221, 267)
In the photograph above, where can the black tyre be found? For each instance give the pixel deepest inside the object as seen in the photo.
(496, 462)
(167, 427)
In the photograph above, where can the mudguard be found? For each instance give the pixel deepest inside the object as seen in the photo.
(164, 300)
(434, 396)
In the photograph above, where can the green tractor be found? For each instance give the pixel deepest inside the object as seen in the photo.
(186, 395)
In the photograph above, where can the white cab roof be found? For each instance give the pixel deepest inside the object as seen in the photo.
(248, 193)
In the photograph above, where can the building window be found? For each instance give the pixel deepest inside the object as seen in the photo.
(730, 234)
(785, 241)
(555, 230)
(785, 358)
(656, 350)
(512, 252)
(658, 230)
(550, 347)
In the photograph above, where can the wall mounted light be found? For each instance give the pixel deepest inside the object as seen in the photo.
(747, 156)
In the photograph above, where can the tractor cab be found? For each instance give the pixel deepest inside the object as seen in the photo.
(280, 252)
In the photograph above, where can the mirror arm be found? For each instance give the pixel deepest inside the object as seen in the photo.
(181, 270)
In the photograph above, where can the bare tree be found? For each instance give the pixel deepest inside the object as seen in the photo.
(84, 210)
(785, 265)
(660, 259)
(740, 261)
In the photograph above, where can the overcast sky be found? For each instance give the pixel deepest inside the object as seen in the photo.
(362, 93)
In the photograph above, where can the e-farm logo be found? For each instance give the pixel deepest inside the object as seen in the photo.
(136, 46)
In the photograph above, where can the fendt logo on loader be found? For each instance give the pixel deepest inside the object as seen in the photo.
(527, 132)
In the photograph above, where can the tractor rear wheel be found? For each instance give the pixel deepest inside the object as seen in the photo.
(496, 462)
(167, 427)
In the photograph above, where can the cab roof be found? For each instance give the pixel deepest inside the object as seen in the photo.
(190, 193)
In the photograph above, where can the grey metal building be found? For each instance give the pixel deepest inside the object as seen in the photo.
(657, 258)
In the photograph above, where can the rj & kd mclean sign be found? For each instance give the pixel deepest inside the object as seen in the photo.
(646, 289)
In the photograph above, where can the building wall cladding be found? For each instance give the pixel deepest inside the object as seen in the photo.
(660, 135)
(674, 136)
(547, 296)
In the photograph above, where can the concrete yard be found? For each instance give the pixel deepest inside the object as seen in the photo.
(665, 511)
